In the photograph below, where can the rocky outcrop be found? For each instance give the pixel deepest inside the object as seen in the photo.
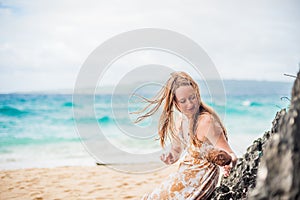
(279, 170)
(243, 175)
(270, 168)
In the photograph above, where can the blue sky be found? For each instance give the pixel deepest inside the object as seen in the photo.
(44, 43)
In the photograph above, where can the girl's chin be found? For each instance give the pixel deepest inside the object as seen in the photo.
(189, 114)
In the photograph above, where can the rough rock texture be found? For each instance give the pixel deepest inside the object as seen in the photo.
(270, 169)
(279, 170)
(243, 176)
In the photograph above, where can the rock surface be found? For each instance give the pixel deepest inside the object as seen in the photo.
(270, 168)
(243, 175)
(279, 171)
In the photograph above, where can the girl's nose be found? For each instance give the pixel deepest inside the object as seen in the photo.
(189, 103)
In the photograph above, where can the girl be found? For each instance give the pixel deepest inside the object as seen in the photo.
(199, 132)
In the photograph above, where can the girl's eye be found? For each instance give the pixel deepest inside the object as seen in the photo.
(182, 101)
(193, 97)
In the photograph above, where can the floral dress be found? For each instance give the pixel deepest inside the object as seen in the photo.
(196, 177)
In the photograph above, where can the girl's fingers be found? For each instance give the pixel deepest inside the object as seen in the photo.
(168, 159)
(226, 170)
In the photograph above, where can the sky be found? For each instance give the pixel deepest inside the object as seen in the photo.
(43, 44)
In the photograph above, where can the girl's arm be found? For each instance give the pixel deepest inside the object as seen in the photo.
(208, 128)
(176, 146)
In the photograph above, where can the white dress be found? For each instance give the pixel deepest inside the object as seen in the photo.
(196, 177)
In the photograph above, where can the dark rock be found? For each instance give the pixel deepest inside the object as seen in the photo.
(226, 196)
(243, 175)
(270, 168)
(223, 189)
(279, 170)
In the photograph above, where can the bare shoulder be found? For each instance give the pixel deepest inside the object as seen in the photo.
(204, 124)
(205, 119)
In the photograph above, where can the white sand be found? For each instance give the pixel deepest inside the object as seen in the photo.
(97, 182)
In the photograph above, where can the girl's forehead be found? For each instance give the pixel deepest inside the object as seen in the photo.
(185, 88)
(184, 91)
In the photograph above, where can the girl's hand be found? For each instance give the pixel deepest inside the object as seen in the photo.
(227, 168)
(167, 158)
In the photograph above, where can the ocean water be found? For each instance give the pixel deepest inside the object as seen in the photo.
(40, 130)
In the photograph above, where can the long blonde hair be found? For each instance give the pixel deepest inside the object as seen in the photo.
(166, 123)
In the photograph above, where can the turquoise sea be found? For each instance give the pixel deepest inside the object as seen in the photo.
(39, 130)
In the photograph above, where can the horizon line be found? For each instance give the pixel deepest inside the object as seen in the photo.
(71, 90)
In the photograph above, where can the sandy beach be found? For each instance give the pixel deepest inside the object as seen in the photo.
(94, 182)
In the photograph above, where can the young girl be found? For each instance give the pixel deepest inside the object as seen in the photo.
(198, 131)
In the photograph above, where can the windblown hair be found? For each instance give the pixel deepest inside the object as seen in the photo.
(166, 97)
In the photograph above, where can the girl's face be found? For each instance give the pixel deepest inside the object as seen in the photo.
(186, 100)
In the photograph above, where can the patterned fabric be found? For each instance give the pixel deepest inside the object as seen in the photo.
(195, 179)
